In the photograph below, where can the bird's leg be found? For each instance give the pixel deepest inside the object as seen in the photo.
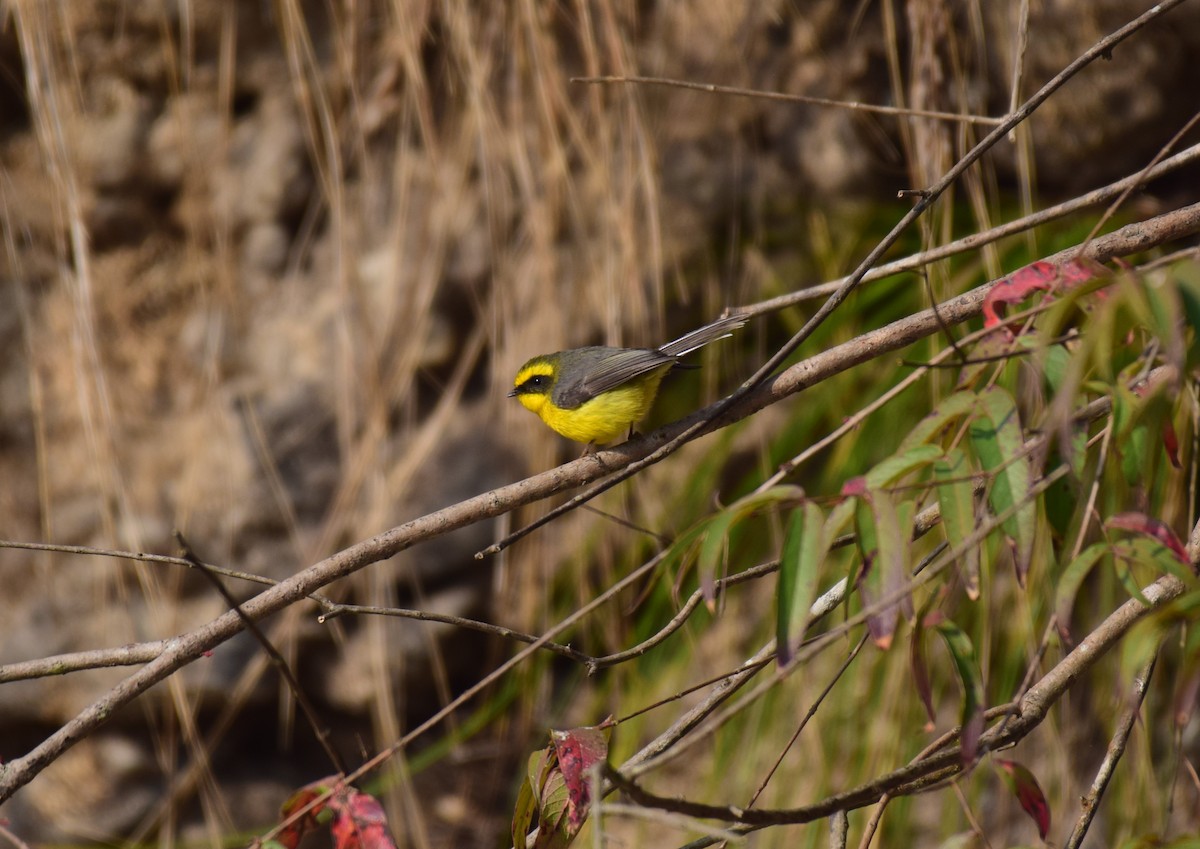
(589, 449)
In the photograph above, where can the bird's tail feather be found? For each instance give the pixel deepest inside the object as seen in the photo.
(700, 337)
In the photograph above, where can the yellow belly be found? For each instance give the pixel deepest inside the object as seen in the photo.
(608, 416)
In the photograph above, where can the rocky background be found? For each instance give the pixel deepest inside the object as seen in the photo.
(267, 269)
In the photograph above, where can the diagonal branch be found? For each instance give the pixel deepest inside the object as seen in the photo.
(944, 764)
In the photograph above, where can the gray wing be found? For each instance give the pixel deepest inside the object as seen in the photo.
(613, 369)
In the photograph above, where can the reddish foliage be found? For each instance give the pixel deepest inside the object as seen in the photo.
(358, 820)
(1041, 276)
(1021, 781)
(578, 751)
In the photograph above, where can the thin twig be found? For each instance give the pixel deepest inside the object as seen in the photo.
(977, 240)
(320, 730)
(852, 105)
(808, 715)
(1116, 748)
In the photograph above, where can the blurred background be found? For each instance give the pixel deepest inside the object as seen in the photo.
(268, 270)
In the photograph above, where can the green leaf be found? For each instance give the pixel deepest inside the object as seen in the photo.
(523, 812)
(997, 441)
(897, 466)
(963, 653)
(1056, 362)
(1188, 278)
(1070, 581)
(716, 532)
(886, 564)
(956, 501)
(941, 417)
(805, 545)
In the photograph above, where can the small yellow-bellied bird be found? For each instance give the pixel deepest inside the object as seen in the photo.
(598, 393)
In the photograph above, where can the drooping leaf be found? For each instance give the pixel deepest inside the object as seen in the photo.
(884, 537)
(947, 413)
(962, 651)
(1069, 582)
(805, 545)
(525, 811)
(716, 532)
(1028, 792)
(997, 441)
(920, 671)
(956, 502)
(898, 465)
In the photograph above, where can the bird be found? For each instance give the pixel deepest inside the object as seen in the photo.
(596, 394)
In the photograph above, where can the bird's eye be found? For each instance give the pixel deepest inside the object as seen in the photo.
(537, 381)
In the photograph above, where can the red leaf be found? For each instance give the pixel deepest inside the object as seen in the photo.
(359, 821)
(578, 751)
(1039, 276)
(1171, 443)
(290, 836)
(920, 673)
(1076, 271)
(1017, 287)
(1140, 523)
(1025, 787)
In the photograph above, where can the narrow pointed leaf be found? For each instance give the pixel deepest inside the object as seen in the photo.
(1028, 792)
(998, 443)
(887, 573)
(965, 664)
(956, 502)
(805, 545)
(716, 533)
(1140, 523)
(1070, 581)
(920, 670)
(898, 465)
(948, 412)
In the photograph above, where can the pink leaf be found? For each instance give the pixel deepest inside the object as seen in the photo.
(359, 821)
(1041, 276)
(578, 751)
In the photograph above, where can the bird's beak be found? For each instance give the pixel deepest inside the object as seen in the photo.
(512, 394)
